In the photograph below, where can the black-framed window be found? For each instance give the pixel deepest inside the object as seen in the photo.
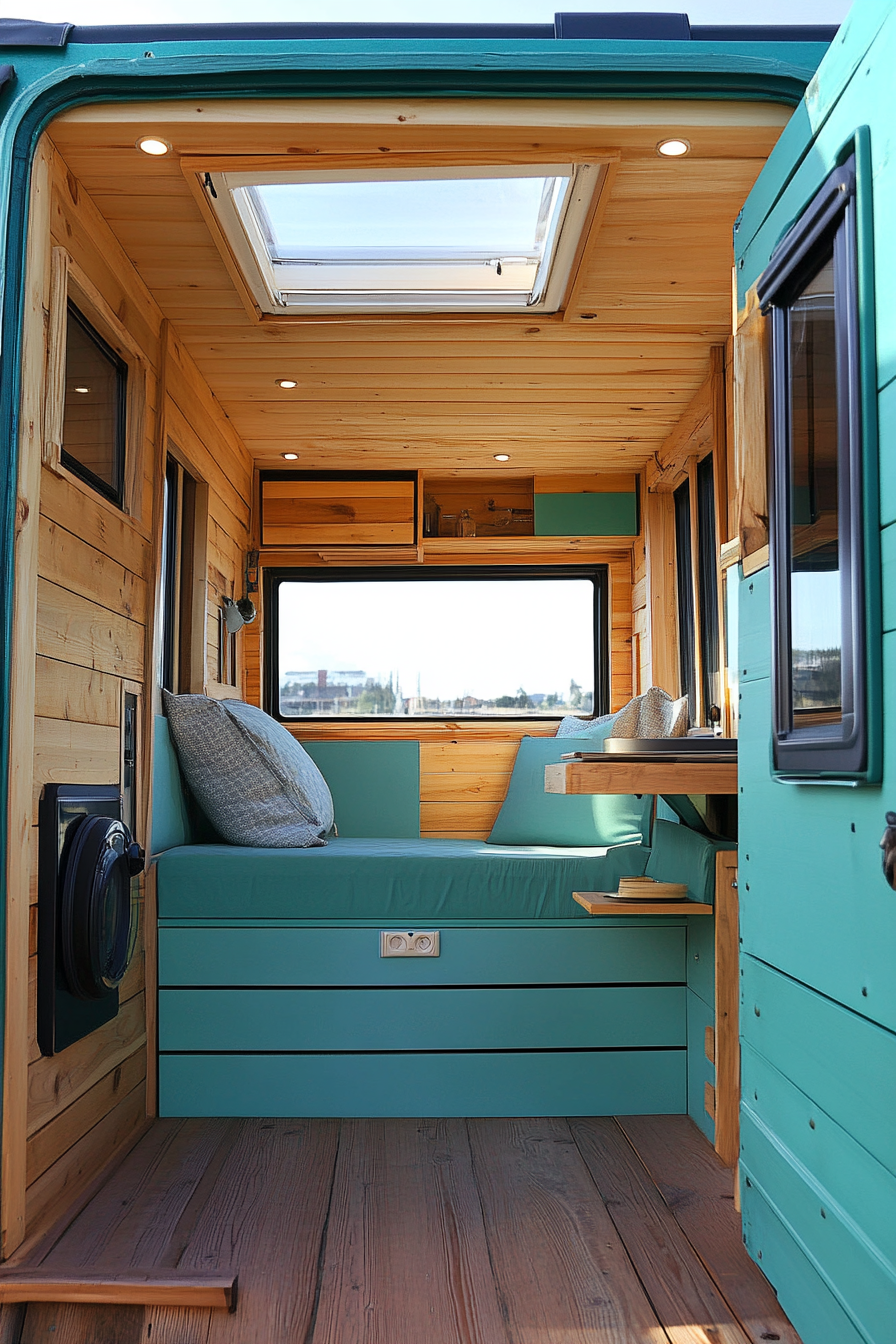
(94, 414)
(684, 580)
(819, 667)
(178, 561)
(438, 642)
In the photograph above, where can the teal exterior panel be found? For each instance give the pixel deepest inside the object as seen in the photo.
(846, 1064)
(587, 515)
(887, 418)
(589, 954)
(614, 1082)
(813, 899)
(803, 1293)
(375, 786)
(888, 575)
(549, 1018)
(754, 627)
(700, 1070)
(861, 1282)
(848, 1177)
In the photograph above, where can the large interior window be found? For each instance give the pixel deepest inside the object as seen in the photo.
(477, 238)
(93, 426)
(446, 644)
(819, 656)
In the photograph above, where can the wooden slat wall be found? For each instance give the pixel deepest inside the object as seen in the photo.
(96, 597)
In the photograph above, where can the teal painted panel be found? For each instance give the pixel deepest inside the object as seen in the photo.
(888, 574)
(170, 815)
(700, 1070)
(813, 899)
(616, 1082)
(849, 1176)
(590, 954)
(588, 515)
(754, 627)
(701, 959)
(808, 1301)
(375, 786)
(421, 1019)
(864, 1285)
(886, 408)
(846, 1064)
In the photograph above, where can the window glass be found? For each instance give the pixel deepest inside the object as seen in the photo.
(475, 237)
(438, 647)
(93, 424)
(815, 579)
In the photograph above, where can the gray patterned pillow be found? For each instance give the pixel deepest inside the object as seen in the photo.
(253, 780)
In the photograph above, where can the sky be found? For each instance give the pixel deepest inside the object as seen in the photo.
(411, 11)
(459, 638)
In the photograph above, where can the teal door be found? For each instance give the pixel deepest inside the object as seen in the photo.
(818, 918)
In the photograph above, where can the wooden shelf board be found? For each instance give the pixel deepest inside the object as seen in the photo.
(618, 775)
(596, 903)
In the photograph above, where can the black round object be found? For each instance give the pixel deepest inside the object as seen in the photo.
(96, 913)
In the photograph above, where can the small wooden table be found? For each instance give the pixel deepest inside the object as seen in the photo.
(680, 783)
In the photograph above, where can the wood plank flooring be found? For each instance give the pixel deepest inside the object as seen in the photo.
(535, 1231)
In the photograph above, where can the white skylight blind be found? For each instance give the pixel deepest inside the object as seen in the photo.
(473, 238)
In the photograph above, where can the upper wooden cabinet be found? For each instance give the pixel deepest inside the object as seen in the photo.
(339, 509)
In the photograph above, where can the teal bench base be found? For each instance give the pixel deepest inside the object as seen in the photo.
(571, 1082)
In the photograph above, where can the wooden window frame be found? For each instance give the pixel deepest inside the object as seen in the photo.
(70, 284)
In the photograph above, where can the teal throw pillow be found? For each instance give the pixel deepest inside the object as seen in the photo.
(529, 816)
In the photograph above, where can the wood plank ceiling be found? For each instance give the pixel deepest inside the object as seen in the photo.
(596, 388)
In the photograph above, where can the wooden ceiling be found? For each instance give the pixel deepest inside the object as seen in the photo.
(595, 388)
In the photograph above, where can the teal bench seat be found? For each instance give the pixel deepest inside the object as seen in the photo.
(274, 998)
(388, 879)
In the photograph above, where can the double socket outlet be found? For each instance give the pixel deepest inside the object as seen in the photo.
(397, 943)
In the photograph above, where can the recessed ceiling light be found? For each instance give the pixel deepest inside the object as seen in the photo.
(502, 457)
(290, 457)
(673, 149)
(81, 389)
(286, 382)
(152, 144)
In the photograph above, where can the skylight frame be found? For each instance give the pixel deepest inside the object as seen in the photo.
(542, 289)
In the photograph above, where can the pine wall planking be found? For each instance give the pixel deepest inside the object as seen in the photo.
(96, 601)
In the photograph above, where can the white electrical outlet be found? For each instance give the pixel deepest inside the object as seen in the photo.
(397, 943)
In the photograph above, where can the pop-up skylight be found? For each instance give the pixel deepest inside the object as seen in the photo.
(473, 238)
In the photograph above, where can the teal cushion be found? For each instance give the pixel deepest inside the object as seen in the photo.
(529, 816)
(406, 881)
(251, 778)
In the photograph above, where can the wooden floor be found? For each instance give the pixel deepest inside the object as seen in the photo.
(544, 1231)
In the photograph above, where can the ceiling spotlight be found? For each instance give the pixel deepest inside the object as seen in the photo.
(286, 382)
(290, 457)
(673, 149)
(151, 144)
(502, 457)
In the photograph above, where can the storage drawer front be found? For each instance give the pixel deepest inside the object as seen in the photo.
(577, 1083)
(421, 1019)
(584, 954)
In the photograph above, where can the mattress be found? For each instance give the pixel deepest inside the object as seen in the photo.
(399, 881)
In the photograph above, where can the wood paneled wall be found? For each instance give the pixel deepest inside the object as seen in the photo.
(93, 621)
